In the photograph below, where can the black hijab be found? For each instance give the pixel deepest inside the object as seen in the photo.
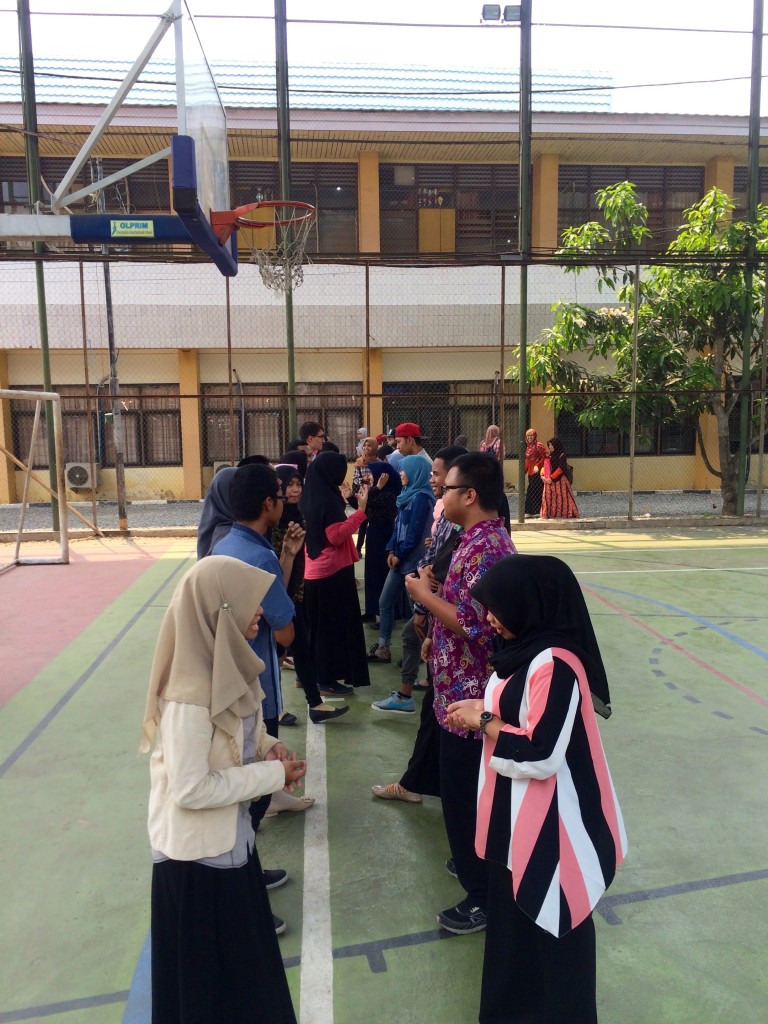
(321, 503)
(538, 598)
(291, 513)
(296, 458)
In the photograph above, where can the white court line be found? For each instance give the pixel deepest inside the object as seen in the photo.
(316, 992)
(628, 572)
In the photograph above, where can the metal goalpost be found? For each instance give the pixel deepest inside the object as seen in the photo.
(38, 397)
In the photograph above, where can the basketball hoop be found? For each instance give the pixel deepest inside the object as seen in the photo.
(281, 255)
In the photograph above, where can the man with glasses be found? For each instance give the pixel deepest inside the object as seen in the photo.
(256, 501)
(313, 436)
(459, 651)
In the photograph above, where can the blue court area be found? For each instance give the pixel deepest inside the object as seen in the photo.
(682, 619)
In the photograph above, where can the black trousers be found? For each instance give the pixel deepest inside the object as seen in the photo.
(459, 769)
(529, 975)
(423, 772)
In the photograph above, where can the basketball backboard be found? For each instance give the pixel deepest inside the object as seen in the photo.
(199, 161)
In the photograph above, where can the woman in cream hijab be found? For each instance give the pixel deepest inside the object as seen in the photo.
(214, 951)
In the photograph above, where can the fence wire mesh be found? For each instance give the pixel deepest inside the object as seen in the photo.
(180, 371)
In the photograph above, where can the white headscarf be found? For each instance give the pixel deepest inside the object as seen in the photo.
(202, 656)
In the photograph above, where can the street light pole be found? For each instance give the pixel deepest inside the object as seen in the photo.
(524, 240)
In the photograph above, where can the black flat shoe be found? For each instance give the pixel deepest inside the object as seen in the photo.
(318, 717)
(336, 690)
(287, 719)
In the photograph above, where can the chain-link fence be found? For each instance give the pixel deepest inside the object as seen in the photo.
(174, 371)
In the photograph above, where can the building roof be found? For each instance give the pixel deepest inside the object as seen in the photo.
(338, 87)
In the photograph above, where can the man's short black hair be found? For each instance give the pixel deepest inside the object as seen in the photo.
(384, 451)
(329, 446)
(450, 453)
(250, 488)
(254, 460)
(485, 475)
(309, 429)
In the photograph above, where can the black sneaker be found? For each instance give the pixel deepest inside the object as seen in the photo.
(336, 690)
(450, 867)
(274, 879)
(279, 924)
(463, 919)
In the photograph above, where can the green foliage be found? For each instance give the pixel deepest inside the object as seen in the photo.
(690, 319)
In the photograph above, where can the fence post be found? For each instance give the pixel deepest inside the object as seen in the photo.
(633, 401)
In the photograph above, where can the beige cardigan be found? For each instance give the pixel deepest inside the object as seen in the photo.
(196, 784)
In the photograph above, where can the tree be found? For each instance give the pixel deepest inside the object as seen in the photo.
(690, 325)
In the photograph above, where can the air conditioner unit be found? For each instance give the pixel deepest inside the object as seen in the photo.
(80, 477)
(221, 465)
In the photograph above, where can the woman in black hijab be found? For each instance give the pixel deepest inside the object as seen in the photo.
(330, 592)
(306, 673)
(548, 822)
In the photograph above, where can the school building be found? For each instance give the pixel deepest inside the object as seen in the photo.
(405, 312)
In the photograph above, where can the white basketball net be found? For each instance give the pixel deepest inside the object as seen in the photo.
(284, 261)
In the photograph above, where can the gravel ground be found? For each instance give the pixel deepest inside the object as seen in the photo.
(184, 515)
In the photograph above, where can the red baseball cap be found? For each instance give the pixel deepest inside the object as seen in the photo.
(408, 430)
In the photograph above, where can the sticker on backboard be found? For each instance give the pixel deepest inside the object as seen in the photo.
(132, 229)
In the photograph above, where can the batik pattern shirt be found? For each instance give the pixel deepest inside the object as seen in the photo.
(461, 665)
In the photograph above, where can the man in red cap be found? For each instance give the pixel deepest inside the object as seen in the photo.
(408, 440)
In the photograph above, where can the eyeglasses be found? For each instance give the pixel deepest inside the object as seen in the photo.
(455, 487)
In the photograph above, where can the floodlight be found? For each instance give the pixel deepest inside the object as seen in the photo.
(491, 12)
(511, 12)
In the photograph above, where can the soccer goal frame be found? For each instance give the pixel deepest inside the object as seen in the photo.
(38, 397)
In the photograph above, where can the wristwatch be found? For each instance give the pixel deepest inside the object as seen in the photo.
(485, 718)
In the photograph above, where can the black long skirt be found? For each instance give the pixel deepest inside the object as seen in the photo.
(529, 975)
(215, 955)
(533, 495)
(336, 635)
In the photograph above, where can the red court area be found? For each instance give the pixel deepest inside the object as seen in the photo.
(44, 607)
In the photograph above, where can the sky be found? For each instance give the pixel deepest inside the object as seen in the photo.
(567, 35)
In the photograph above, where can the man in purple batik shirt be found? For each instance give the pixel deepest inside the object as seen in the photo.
(460, 650)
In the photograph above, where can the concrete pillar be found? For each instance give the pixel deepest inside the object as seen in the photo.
(191, 423)
(7, 469)
(374, 376)
(368, 216)
(718, 173)
(544, 233)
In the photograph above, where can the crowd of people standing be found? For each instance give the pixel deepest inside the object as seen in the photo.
(514, 676)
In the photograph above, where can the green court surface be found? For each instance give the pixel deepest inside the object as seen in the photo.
(682, 619)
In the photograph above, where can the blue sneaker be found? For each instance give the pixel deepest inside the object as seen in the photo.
(395, 704)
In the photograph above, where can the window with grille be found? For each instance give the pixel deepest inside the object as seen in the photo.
(331, 188)
(652, 438)
(666, 191)
(150, 418)
(485, 198)
(740, 190)
(444, 410)
(237, 423)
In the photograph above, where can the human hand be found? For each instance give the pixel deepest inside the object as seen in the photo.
(346, 491)
(426, 649)
(465, 714)
(420, 625)
(293, 540)
(279, 752)
(392, 560)
(362, 497)
(418, 586)
(294, 773)
(434, 583)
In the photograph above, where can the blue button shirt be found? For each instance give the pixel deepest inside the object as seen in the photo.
(249, 546)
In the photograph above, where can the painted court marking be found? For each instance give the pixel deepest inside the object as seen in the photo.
(316, 938)
(59, 706)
